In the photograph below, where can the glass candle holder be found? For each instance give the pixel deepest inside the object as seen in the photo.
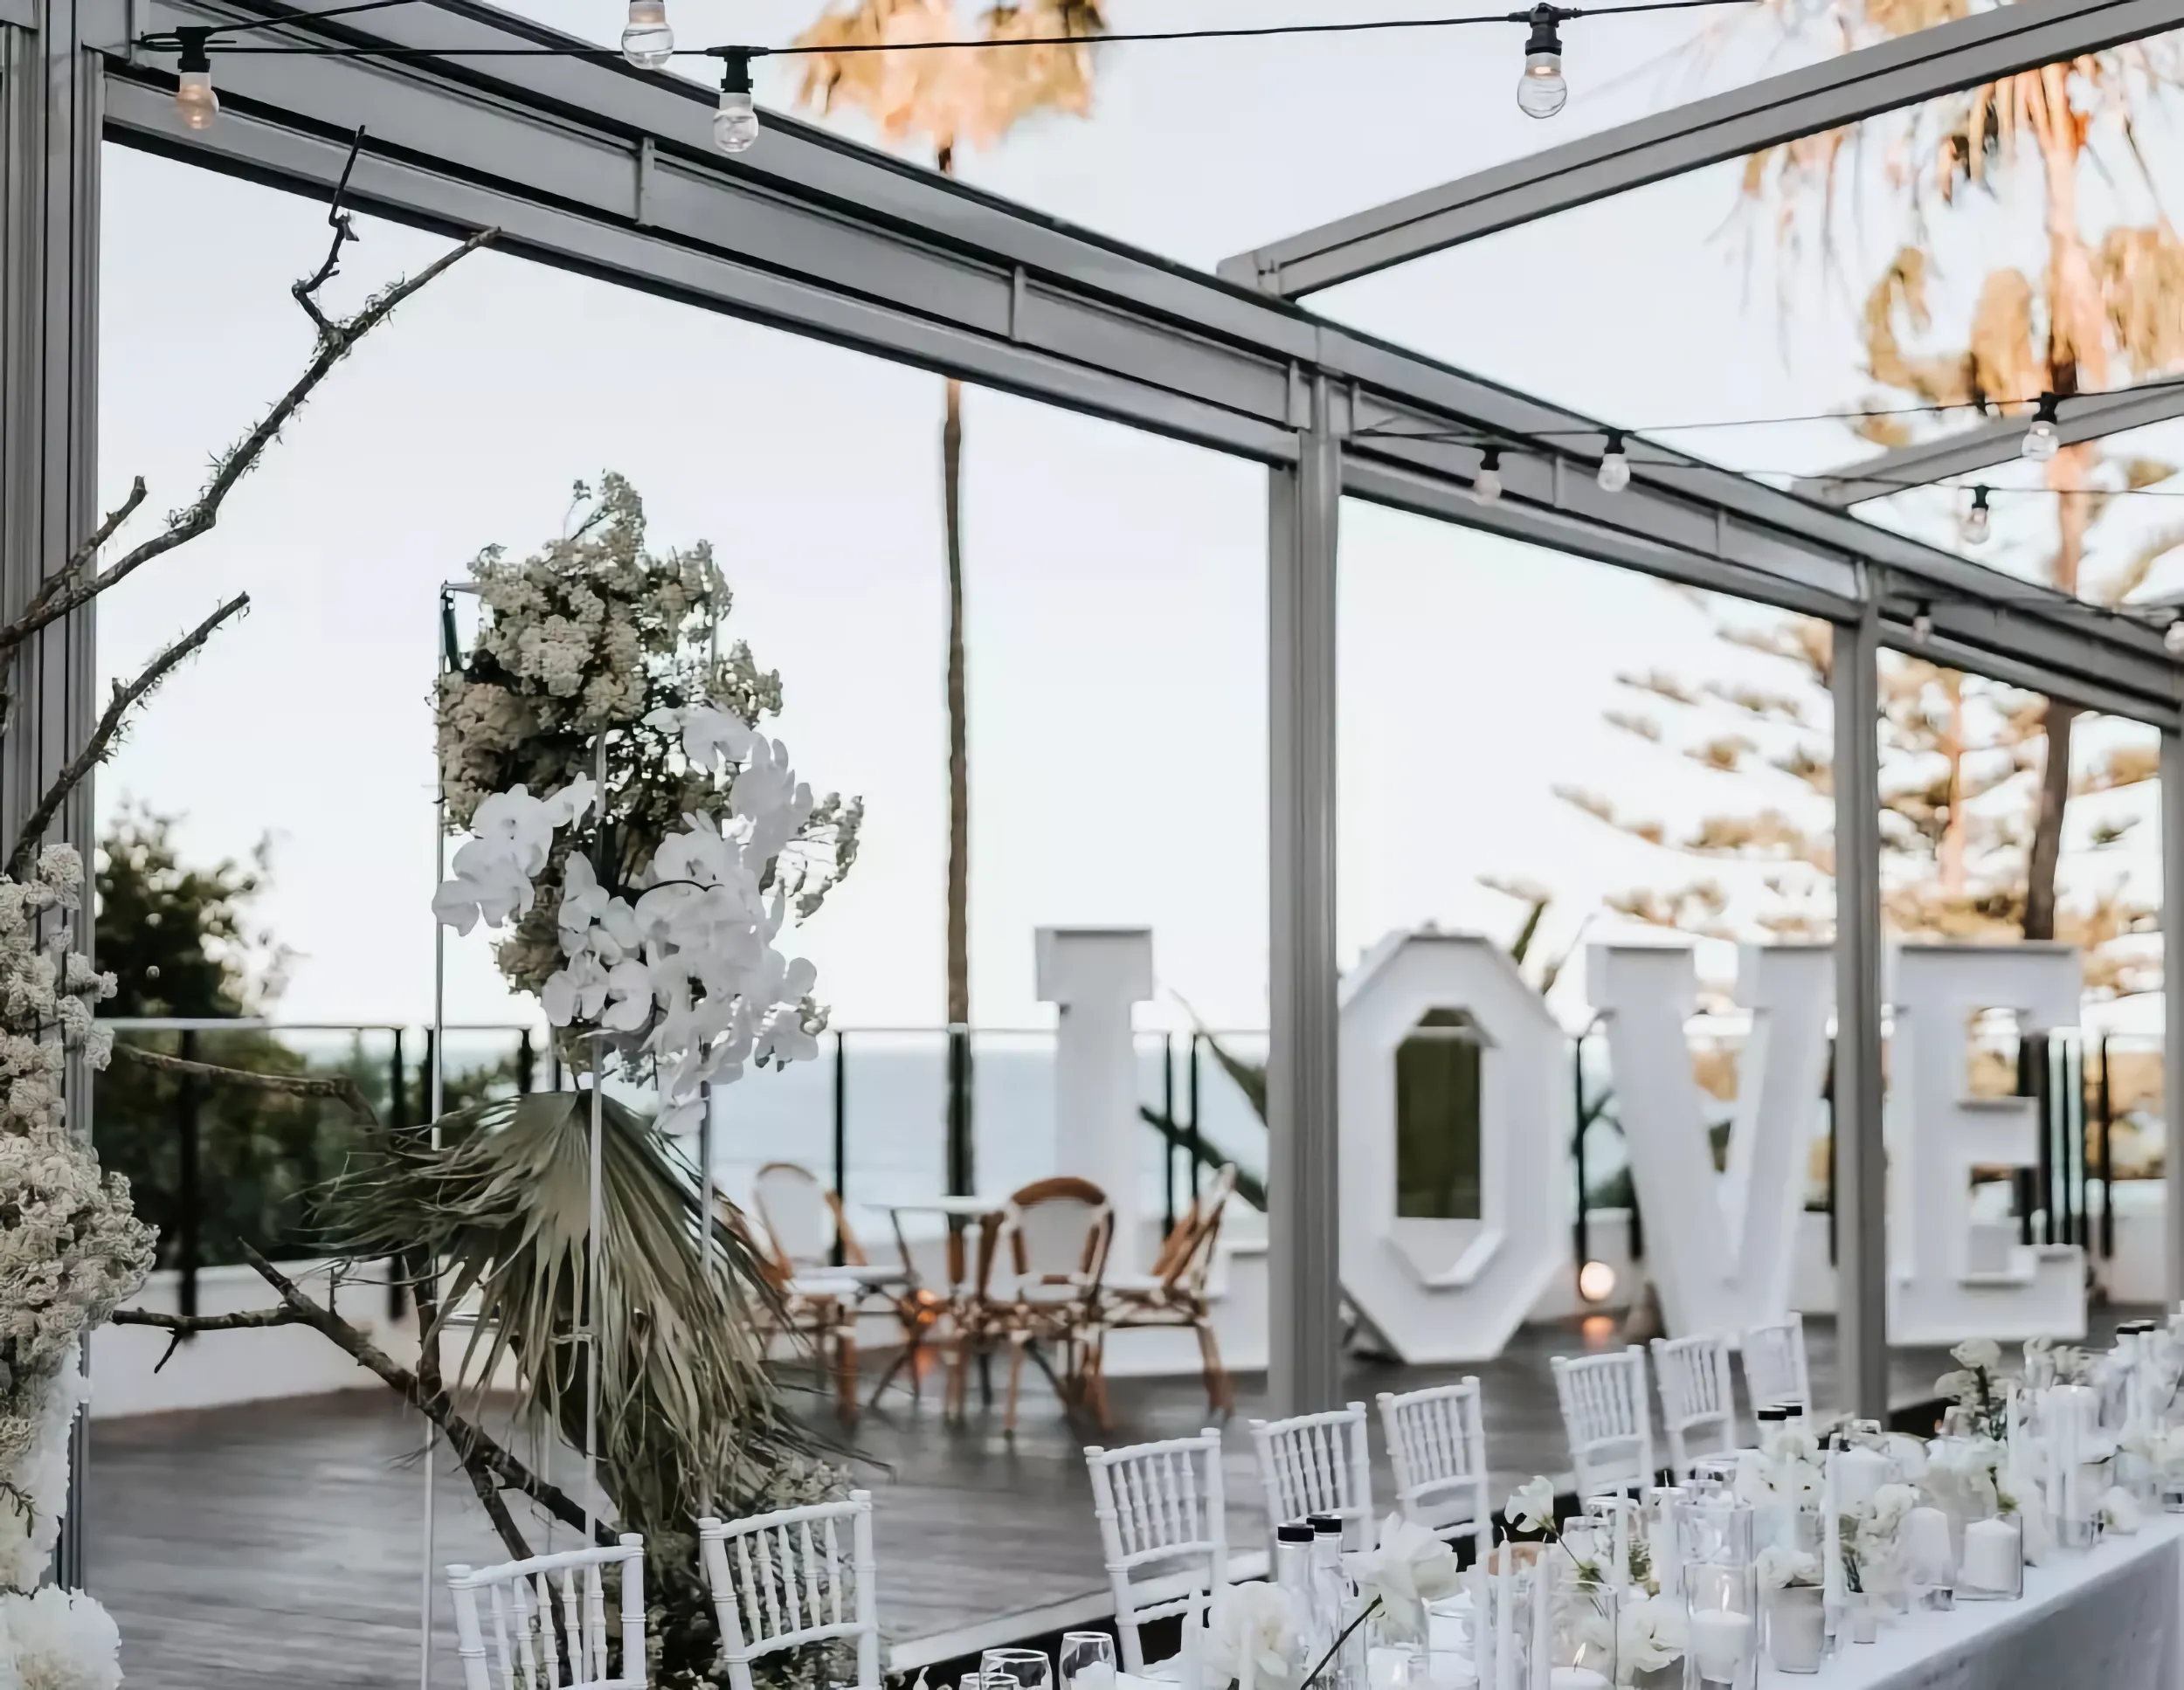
(1721, 1594)
(1542, 1608)
(1658, 1518)
(1992, 1566)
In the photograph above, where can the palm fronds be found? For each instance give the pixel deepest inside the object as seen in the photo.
(687, 1418)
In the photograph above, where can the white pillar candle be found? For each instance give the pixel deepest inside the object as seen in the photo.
(1861, 1472)
(1831, 1582)
(1543, 1622)
(1990, 1555)
(1505, 1621)
(1623, 1507)
(1926, 1541)
(1721, 1639)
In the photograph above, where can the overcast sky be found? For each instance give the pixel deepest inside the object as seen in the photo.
(1116, 614)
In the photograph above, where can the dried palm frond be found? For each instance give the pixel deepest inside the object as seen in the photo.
(951, 98)
(2142, 286)
(687, 1415)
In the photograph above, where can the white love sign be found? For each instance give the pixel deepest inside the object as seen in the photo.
(1951, 1275)
(1720, 1247)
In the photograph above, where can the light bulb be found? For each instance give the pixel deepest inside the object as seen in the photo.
(1486, 486)
(2041, 442)
(1614, 465)
(736, 124)
(647, 42)
(195, 99)
(1977, 525)
(2173, 636)
(1922, 626)
(1541, 92)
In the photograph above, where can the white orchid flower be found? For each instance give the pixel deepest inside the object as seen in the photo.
(488, 883)
(1652, 1633)
(1982, 1354)
(583, 900)
(1530, 1507)
(518, 821)
(629, 992)
(1779, 1568)
(2119, 1511)
(574, 993)
(1410, 1567)
(680, 1120)
(572, 801)
(1252, 1639)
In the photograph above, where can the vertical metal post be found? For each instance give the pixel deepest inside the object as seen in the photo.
(188, 1183)
(50, 111)
(2107, 1105)
(1196, 1155)
(1168, 1137)
(1581, 1240)
(963, 1162)
(526, 1062)
(842, 1130)
(1861, 1166)
(2173, 1010)
(398, 1120)
(1303, 1153)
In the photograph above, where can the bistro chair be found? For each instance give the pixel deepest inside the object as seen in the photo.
(786, 1580)
(1164, 1529)
(812, 1308)
(565, 1653)
(1174, 1294)
(1040, 1272)
(1436, 1441)
(1698, 1403)
(1775, 1368)
(807, 1227)
(1608, 1421)
(1318, 1464)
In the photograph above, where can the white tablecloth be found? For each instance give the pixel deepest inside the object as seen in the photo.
(2111, 1618)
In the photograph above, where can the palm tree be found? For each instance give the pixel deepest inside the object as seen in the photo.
(949, 99)
(2096, 312)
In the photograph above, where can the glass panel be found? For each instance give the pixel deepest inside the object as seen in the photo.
(1438, 1068)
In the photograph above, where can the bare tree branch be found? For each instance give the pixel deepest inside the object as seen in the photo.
(96, 749)
(187, 1326)
(473, 1447)
(335, 341)
(334, 1086)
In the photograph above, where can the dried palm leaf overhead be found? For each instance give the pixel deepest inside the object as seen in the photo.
(951, 98)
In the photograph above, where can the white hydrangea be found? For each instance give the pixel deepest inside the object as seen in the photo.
(57, 1639)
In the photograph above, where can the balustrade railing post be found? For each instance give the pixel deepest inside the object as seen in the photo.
(1581, 1242)
(1196, 1152)
(1169, 1135)
(962, 1160)
(398, 1120)
(2107, 1105)
(187, 1237)
(526, 1061)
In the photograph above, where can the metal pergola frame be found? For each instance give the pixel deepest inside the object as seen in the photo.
(592, 167)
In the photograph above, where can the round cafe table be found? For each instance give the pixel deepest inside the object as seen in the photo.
(959, 1213)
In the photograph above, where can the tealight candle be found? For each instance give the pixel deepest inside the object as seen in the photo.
(1991, 1552)
(1721, 1639)
(1577, 1678)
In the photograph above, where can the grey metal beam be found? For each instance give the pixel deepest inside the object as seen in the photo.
(596, 168)
(49, 118)
(1990, 44)
(2172, 1006)
(1303, 1145)
(2084, 416)
(1861, 1170)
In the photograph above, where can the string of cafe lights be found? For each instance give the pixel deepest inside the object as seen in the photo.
(648, 43)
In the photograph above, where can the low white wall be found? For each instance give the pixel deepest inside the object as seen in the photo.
(218, 1368)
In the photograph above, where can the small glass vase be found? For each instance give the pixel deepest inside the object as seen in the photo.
(1541, 1608)
(1992, 1566)
(1796, 1627)
(1721, 1595)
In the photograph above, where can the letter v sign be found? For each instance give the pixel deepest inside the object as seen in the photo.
(1719, 1247)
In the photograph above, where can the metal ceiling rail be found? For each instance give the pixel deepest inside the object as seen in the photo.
(2084, 416)
(1836, 91)
(587, 165)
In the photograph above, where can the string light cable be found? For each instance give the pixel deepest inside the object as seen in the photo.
(648, 43)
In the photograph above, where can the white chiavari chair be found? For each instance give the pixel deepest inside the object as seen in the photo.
(1437, 1444)
(1164, 1529)
(1318, 1464)
(548, 1620)
(1775, 1368)
(786, 1580)
(1608, 1420)
(1698, 1403)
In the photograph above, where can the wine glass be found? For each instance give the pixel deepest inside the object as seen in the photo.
(1026, 1669)
(1088, 1661)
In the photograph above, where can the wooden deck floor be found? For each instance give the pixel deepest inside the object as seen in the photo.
(279, 1544)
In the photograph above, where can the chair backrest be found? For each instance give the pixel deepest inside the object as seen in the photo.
(1775, 1370)
(787, 1580)
(1609, 1423)
(1318, 1464)
(1437, 1442)
(1057, 1232)
(1698, 1403)
(798, 1219)
(548, 1620)
(1164, 1529)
